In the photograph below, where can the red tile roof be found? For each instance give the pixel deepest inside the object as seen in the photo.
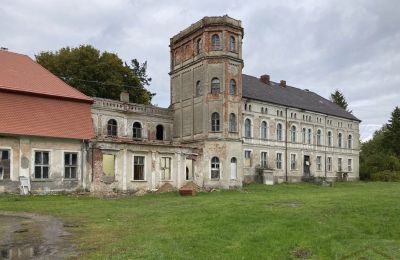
(20, 73)
(34, 102)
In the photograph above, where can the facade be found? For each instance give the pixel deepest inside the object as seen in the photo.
(223, 128)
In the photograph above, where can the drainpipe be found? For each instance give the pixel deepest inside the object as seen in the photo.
(325, 137)
(286, 146)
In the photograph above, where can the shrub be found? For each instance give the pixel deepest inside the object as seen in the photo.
(385, 176)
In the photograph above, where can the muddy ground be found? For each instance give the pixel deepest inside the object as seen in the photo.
(31, 236)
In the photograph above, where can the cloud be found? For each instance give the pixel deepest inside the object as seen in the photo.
(320, 45)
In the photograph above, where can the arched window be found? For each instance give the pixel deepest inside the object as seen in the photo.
(293, 134)
(160, 132)
(262, 110)
(340, 140)
(350, 142)
(232, 87)
(309, 137)
(215, 86)
(232, 44)
(304, 133)
(233, 168)
(199, 91)
(247, 128)
(329, 138)
(319, 137)
(249, 107)
(215, 168)
(215, 42)
(232, 123)
(137, 130)
(264, 130)
(112, 128)
(215, 122)
(279, 132)
(199, 46)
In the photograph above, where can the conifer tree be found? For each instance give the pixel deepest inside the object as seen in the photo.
(338, 98)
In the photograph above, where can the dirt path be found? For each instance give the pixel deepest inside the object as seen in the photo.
(31, 236)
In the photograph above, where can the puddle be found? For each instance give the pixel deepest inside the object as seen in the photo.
(32, 236)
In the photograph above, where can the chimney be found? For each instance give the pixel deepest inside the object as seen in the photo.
(265, 79)
(3, 48)
(124, 96)
(283, 83)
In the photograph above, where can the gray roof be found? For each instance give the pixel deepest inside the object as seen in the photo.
(289, 96)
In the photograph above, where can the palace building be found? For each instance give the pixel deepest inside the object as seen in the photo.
(223, 128)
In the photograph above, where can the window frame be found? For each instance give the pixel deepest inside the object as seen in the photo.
(319, 137)
(215, 122)
(318, 162)
(279, 132)
(248, 128)
(216, 42)
(330, 138)
(247, 159)
(163, 132)
(329, 160)
(340, 165)
(77, 166)
(143, 165)
(232, 87)
(232, 123)
(199, 89)
(111, 128)
(279, 163)
(264, 161)
(293, 161)
(10, 158)
(264, 130)
(135, 129)
(350, 164)
(215, 87)
(232, 43)
(293, 134)
(350, 141)
(162, 170)
(48, 165)
(216, 168)
(340, 140)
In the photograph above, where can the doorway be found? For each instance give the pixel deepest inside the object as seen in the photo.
(306, 165)
(233, 168)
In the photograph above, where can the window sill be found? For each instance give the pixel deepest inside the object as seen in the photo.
(67, 179)
(42, 180)
(215, 132)
(166, 181)
(215, 179)
(138, 180)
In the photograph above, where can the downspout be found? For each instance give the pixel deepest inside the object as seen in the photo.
(286, 146)
(325, 135)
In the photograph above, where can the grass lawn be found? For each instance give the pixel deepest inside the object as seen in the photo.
(348, 221)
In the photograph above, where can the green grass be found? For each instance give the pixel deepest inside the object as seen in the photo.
(348, 221)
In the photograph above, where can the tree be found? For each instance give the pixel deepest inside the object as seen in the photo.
(338, 98)
(392, 134)
(98, 74)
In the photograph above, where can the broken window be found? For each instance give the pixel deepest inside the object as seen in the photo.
(137, 130)
(215, 42)
(232, 123)
(112, 128)
(215, 86)
(4, 164)
(42, 159)
(109, 164)
(215, 122)
(70, 165)
(138, 168)
(215, 168)
(165, 168)
(160, 132)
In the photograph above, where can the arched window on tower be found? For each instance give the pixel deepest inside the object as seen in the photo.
(199, 91)
(199, 46)
(215, 168)
(215, 86)
(215, 127)
(232, 44)
(215, 42)
(112, 128)
(232, 123)
(232, 87)
(160, 132)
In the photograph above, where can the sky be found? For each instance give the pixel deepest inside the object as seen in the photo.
(353, 46)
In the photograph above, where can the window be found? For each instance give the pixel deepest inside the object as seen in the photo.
(199, 46)
(232, 44)
(304, 133)
(349, 165)
(109, 164)
(329, 163)
(42, 164)
(319, 137)
(293, 134)
(137, 130)
(215, 42)
(215, 86)
(215, 168)
(279, 160)
(232, 87)
(4, 164)
(160, 132)
(319, 161)
(112, 128)
(293, 162)
(309, 136)
(329, 138)
(138, 168)
(340, 140)
(233, 168)
(279, 132)
(247, 128)
(70, 165)
(165, 166)
(264, 159)
(247, 158)
(249, 107)
(215, 122)
(350, 142)
(232, 123)
(264, 130)
(199, 91)
(339, 163)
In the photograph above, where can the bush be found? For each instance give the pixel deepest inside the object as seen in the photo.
(386, 176)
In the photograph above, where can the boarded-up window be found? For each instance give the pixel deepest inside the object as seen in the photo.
(4, 164)
(247, 158)
(165, 166)
(109, 164)
(138, 168)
